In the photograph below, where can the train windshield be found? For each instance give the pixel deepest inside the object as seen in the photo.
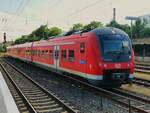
(116, 48)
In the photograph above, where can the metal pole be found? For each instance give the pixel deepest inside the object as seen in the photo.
(144, 50)
(101, 103)
(129, 106)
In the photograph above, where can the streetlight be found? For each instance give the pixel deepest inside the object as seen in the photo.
(131, 18)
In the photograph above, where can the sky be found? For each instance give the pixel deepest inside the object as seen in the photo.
(20, 17)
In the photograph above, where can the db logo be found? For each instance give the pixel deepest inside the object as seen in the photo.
(117, 66)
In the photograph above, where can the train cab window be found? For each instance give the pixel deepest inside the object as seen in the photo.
(63, 55)
(82, 47)
(51, 53)
(71, 56)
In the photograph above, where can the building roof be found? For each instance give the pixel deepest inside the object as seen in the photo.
(141, 41)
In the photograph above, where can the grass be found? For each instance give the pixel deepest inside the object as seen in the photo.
(136, 89)
(2, 54)
(142, 75)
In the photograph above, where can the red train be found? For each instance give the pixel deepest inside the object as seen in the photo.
(102, 56)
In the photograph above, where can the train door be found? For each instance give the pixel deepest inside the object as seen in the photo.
(83, 59)
(56, 57)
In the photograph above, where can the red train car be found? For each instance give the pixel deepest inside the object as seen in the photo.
(102, 56)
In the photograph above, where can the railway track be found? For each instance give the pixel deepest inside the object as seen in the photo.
(128, 101)
(131, 95)
(144, 68)
(30, 97)
(143, 82)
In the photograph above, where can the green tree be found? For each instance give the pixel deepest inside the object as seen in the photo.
(2, 48)
(147, 32)
(53, 31)
(92, 25)
(77, 27)
(42, 32)
(115, 24)
(21, 40)
(139, 29)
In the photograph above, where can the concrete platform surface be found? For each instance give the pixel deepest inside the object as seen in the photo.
(7, 103)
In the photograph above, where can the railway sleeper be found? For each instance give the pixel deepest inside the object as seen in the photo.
(43, 103)
(43, 100)
(36, 97)
(55, 110)
(46, 107)
(32, 91)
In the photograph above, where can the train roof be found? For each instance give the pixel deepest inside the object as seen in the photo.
(97, 31)
(108, 31)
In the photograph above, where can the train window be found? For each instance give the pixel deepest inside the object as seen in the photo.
(71, 56)
(33, 52)
(38, 53)
(27, 52)
(42, 54)
(82, 47)
(51, 53)
(63, 55)
(46, 54)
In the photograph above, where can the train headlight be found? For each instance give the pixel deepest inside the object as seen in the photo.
(129, 56)
(105, 65)
(128, 65)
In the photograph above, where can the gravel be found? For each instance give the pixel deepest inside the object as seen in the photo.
(83, 100)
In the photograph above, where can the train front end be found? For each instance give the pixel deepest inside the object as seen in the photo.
(116, 55)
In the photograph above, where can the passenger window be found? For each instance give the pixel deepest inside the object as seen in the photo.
(39, 53)
(46, 54)
(63, 55)
(71, 56)
(51, 53)
(42, 54)
(33, 52)
(82, 47)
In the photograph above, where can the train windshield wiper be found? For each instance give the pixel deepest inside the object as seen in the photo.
(114, 52)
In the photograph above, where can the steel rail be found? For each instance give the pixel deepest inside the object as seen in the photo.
(69, 109)
(108, 94)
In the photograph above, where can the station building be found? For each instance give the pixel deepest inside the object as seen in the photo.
(142, 49)
(145, 18)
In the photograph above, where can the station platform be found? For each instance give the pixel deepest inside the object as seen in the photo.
(7, 103)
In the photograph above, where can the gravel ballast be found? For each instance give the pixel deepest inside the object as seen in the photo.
(83, 100)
